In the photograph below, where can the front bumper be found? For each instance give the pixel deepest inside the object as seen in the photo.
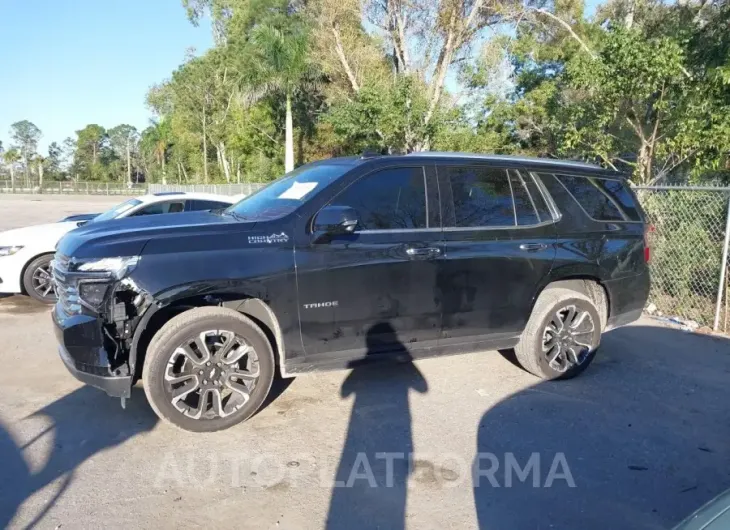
(82, 350)
(11, 269)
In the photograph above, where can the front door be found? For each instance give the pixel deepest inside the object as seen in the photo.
(372, 291)
(499, 243)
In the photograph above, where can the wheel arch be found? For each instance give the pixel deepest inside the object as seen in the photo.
(157, 316)
(585, 280)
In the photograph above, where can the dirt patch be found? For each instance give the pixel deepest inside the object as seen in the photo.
(21, 305)
(426, 472)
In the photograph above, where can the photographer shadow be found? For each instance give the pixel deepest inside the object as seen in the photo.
(639, 440)
(370, 489)
(81, 424)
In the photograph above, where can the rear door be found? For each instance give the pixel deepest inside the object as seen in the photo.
(499, 242)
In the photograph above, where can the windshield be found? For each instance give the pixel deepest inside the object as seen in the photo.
(118, 210)
(286, 194)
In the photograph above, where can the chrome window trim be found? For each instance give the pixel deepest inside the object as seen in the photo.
(395, 230)
(529, 196)
(552, 207)
(510, 227)
(425, 195)
(512, 196)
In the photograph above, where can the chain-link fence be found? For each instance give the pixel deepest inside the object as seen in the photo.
(71, 187)
(245, 188)
(687, 242)
(51, 187)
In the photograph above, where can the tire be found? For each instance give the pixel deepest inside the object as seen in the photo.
(34, 279)
(186, 329)
(550, 307)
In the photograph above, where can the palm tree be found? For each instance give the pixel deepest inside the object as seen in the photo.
(11, 157)
(276, 62)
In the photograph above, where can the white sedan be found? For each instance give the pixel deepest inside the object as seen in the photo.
(26, 253)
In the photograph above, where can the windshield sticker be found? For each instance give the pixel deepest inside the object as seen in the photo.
(273, 238)
(298, 190)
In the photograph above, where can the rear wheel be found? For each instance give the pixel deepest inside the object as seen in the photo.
(38, 280)
(562, 335)
(208, 369)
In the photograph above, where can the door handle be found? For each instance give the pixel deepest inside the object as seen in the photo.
(423, 251)
(533, 247)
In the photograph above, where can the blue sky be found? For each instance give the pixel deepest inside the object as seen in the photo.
(67, 63)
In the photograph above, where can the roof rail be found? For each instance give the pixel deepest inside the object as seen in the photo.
(372, 153)
(163, 193)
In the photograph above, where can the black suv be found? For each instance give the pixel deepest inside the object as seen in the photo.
(350, 260)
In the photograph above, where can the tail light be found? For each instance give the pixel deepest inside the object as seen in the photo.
(647, 249)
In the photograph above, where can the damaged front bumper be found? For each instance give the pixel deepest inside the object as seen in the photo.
(83, 350)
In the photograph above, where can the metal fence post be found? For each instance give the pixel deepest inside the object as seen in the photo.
(723, 268)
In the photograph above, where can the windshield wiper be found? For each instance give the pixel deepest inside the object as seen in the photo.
(236, 216)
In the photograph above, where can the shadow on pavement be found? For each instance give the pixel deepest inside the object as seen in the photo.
(645, 434)
(82, 424)
(380, 422)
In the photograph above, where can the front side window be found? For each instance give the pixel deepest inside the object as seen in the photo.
(481, 195)
(602, 199)
(389, 199)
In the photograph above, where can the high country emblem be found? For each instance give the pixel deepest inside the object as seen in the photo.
(273, 238)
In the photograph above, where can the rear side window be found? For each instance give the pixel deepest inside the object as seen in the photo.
(494, 197)
(389, 199)
(602, 199)
(481, 196)
(162, 207)
(207, 205)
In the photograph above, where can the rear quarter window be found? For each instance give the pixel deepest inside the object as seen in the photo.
(603, 199)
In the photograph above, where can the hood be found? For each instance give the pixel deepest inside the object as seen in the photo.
(128, 236)
(38, 235)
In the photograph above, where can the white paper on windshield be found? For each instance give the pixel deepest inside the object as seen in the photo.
(298, 190)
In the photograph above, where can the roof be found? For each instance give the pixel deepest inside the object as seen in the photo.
(525, 160)
(507, 158)
(166, 196)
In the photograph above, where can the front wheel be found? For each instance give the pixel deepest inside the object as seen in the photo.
(38, 280)
(208, 369)
(562, 335)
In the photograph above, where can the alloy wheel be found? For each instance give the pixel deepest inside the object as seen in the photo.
(567, 338)
(42, 281)
(211, 375)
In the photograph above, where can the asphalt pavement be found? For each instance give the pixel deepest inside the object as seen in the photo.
(639, 440)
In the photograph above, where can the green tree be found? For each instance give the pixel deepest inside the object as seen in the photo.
(123, 142)
(273, 51)
(11, 157)
(53, 161)
(91, 157)
(26, 135)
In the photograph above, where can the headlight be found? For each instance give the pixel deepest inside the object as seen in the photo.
(93, 293)
(9, 251)
(117, 267)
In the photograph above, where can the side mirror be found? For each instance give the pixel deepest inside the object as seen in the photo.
(334, 220)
